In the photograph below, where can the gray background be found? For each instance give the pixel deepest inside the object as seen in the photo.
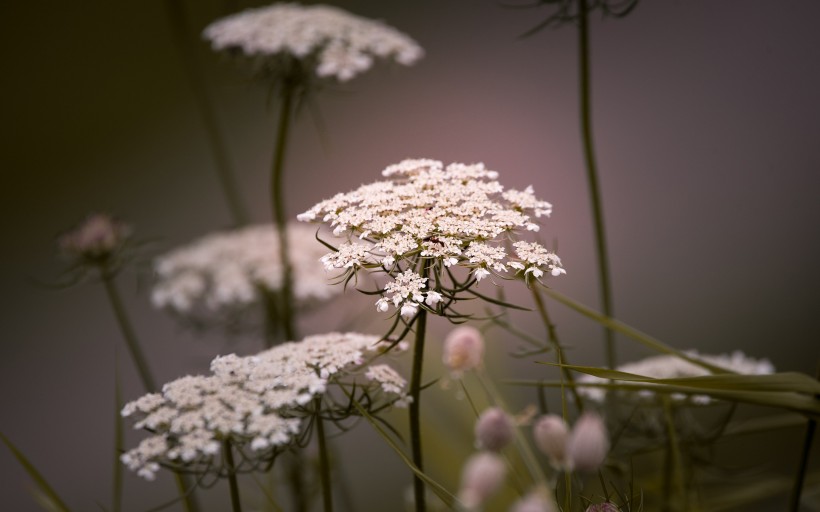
(708, 130)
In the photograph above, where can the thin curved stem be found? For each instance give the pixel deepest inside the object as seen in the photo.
(552, 335)
(592, 177)
(324, 460)
(148, 381)
(196, 80)
(127, 330)
(236, 504)
(279, 211)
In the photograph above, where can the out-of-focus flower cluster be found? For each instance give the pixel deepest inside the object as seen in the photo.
(97, 240)
(453, 216)
(327, 41)
(671, 367)
(255, 403)
(230, 271)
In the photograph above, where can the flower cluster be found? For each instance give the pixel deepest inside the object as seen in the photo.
(227, 272)
(328, 41)
(671, 367)
(453, 216)
(255, 403)
(96, 240)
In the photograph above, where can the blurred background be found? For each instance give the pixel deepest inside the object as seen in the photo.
(707, 125)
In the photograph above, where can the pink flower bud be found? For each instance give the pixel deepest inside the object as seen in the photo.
(96, 237)
(463, 349)
(481, 477)
(603, 507)
(550, 433)
(588, 443)
(538, 500)
(494, 429)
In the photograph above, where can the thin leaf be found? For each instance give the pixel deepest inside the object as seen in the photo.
(35, 475)
(448, 498)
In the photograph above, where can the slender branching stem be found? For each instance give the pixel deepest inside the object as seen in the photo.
(324, 460)
(279, 210)
(552, 335)
(116, 500)
(196, 79)
(127, 330)
(236, 504)
(415, 405)
(800, 477)
(135, 350)
(592, 176)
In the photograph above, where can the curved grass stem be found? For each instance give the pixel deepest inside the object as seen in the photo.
(324, 460)
(592, 177)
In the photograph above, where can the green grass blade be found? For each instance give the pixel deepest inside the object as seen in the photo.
(35, 475)
(446, 496)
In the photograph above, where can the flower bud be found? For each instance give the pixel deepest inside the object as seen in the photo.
(97, 237)
(588, 443)
(494, 429)
(463, 349)
(550, 433)
(537, 500)
(481, 477)
(603, 507)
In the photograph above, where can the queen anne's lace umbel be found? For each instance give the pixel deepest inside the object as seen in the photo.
(671, 367)
(330, 41)
(229, 271)
(256, 403)
(454, 216)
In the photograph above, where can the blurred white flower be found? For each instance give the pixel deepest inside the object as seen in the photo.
(95, 240)
(550, 433)
(227, 272)
(671, 367)
(463, 350)
(326, 41)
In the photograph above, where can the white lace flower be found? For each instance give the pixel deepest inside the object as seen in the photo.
(253, 402)
(328, 41)
(448, 217)
(671, 367)
(224, 273)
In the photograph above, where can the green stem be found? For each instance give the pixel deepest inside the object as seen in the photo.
(279, 210)
(415, 405)
(127, 331)
(592, 175)
(552, 335)
(324, 460)
(800, 477)
(236, 504)
(674, 492)
(271, 335)
(176, 14)
(141, 363)
(116, 501)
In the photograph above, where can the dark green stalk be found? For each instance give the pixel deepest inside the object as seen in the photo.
(552, 335)
(141, 363)
(236, 504)
(127, 331)
(800, 477)
(415, 405)
(196, 80)
(279, 211)
(324, 460)
(592, 176)
(116, 499)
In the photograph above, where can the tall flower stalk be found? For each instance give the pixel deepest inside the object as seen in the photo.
(577, 11)
(180, 30)
(428, 234)
(102, 244)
